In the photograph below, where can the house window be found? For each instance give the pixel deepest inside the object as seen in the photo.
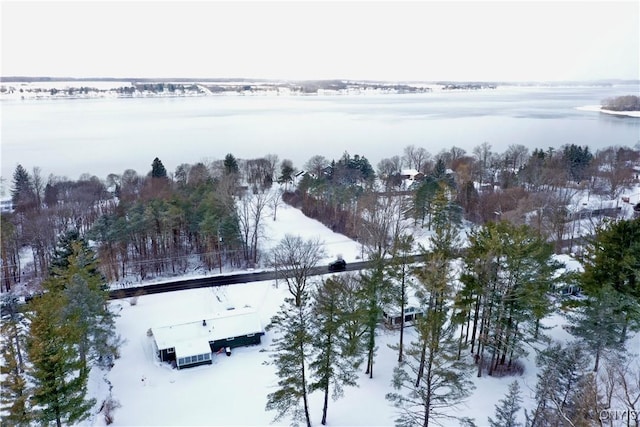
(170, 350)
(200, 357)
(207, 356)
(181, 361)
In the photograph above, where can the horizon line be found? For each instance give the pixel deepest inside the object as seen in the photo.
(26, 78)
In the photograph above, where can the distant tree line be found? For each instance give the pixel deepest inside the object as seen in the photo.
(622, 103)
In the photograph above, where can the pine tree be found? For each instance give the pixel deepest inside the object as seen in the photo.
(14, 393)
(433, 377)
(561, 379)
(509, 271)
(157, 169)
(63, 250)
(334, 365)
(400, 273)
(507, 408)
(56, 370)
(291, 349)
(286, 173)
(86, 298)
(23, 194)
(598, 322)
(374, 292)
(75, 274)
(613, 263)
(230, 165)
(444, 383)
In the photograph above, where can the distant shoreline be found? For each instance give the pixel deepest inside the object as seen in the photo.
(599, 109)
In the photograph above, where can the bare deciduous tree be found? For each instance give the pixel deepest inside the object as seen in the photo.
(415, 157)
(295, 258)
(614, 169)
(250, 210)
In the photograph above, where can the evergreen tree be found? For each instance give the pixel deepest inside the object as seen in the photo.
(401, 276)
(443, 384)
(230, 165)
(433, 376)
(286, 173)
(598, 323)
(76, 276)
(422, 200)
(63, 250)
(291, 349)
(440, 170)
(157, 169)
(507, 408)
(335, 364)
(576, 160)
(613, 263)
(509, 271)
(374, 291)
(56, 370)
(13, 393)
(561, 378)
(23, 195)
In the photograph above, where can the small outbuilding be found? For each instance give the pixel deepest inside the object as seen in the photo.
(393, 319)
(412, 311)
(192, 343)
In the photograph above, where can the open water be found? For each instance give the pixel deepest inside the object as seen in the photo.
(68, 137)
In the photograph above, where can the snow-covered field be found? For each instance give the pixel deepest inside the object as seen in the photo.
(232, 391)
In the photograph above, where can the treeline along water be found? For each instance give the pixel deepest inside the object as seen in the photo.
(68, 137)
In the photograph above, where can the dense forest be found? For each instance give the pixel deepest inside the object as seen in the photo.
(79, 236)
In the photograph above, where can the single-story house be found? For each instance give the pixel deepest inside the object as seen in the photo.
(411, 174)
(191, 343)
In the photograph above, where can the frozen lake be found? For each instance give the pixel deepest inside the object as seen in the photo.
(68, 137)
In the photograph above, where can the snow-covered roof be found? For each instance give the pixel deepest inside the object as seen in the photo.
(233, 323)
(413, 304)
(192, 347)
(409, 172)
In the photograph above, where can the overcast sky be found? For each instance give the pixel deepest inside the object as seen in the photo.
(418, 40)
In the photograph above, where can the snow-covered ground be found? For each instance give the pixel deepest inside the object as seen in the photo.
(598, 108)
(232, 391)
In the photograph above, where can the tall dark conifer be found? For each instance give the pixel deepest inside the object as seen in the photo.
(157, 169)
(335, 363)
(56, 370)
(14, 394)
(291, 349)
(23, 194)
(230, 165)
